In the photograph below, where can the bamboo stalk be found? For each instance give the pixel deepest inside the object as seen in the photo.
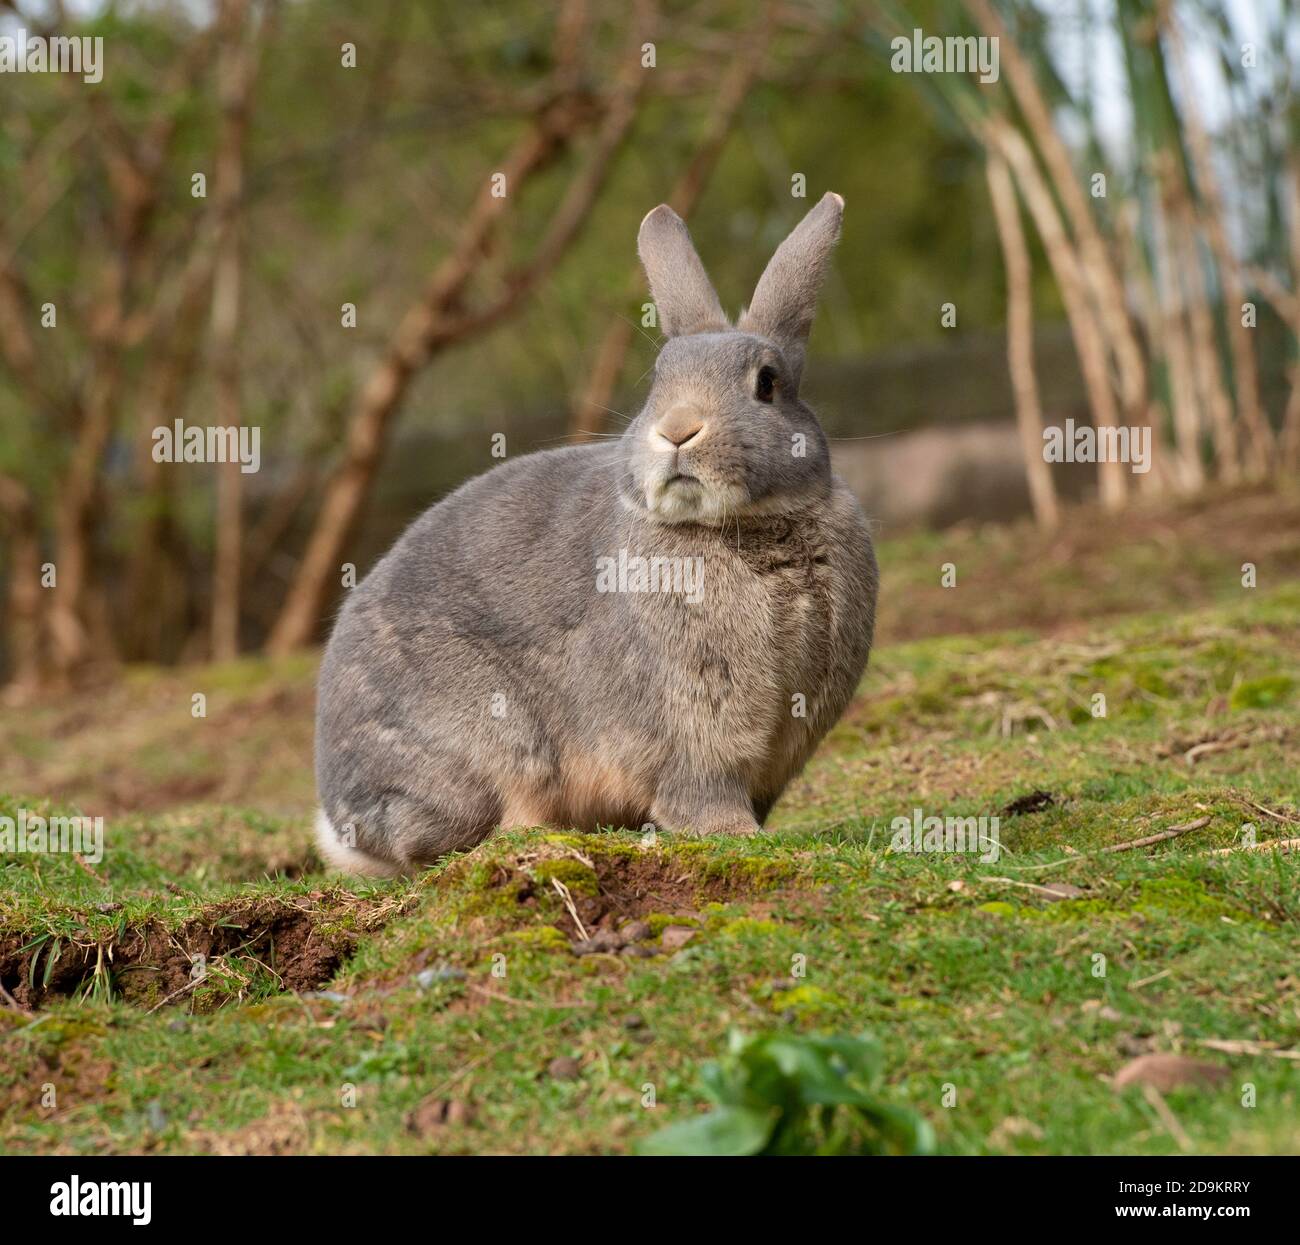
(1172, 333)
(1066, 267)
(1205, 353)
(1100, 278)
(1020, 341)
(1261, 444)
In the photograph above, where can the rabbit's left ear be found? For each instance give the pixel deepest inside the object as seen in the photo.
(681, 288)
(785, 298)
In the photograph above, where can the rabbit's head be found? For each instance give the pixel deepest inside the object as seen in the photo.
(723, 432)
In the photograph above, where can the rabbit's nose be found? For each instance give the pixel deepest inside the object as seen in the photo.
(679, 426)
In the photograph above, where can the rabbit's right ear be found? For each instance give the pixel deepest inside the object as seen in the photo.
(679, 285)
(786, 296)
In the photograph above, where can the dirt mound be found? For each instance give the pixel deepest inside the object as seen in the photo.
(608, 890)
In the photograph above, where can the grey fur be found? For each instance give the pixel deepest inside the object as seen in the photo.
(683, 293)
(478, 678)
(785, 298)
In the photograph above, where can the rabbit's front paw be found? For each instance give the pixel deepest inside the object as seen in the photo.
(737, 821)
(700, 806)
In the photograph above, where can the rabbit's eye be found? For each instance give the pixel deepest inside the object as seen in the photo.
(765, 385)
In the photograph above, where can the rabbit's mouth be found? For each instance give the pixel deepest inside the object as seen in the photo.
(683, 498)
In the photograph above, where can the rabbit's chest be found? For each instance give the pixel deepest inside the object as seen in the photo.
(772, 611)
(788, 574)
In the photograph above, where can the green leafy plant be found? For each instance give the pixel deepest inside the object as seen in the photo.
(777, 1093)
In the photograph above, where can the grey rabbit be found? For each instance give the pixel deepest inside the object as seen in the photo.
(657, 629)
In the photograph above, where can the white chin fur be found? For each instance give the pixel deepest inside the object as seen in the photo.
(338, 855)
(693, 503)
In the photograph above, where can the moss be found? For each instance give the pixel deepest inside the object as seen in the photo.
(481, 893)
(743, 873)
(593, 845)
(998, 907)
(61, 1030)
(932, 700)
(660, 921)
(1181, 897)
(1074, 910)
(1161, 898)
(806, 1002)
(745, 925)
(539, 938)
(579, 878)
(1266, 693)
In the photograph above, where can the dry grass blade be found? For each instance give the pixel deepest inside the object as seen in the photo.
(563, 892)
(1244, 1046)
(1172, 833)
(1270, 845)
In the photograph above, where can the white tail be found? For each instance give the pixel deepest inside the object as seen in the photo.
(338, 855)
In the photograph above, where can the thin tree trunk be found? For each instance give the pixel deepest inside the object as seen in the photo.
(146, 617)
(1020, 341)
(1088, 342)
(236, 69)
(1289, 450)
(71, 639)
(434, 323)
(22, 605)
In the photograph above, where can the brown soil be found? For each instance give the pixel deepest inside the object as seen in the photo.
(1162, 556)
(630, 887)
(299, 941)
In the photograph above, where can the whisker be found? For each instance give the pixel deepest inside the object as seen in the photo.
(569, 436)
(874, 437)
(628, 319)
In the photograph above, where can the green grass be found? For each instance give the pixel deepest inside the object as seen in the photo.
(999, 1012)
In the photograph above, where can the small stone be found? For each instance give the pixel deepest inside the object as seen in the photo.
(179, 1025)
(639, 950)
(636, 931)
(434, 1113)
(634, 1022)
(154, 1113)
(604, 941)
(564, 1068)
(328, 996)
(677, 936)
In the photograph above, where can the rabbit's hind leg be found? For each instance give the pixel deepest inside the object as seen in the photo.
(399, 832)
(339, 853)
